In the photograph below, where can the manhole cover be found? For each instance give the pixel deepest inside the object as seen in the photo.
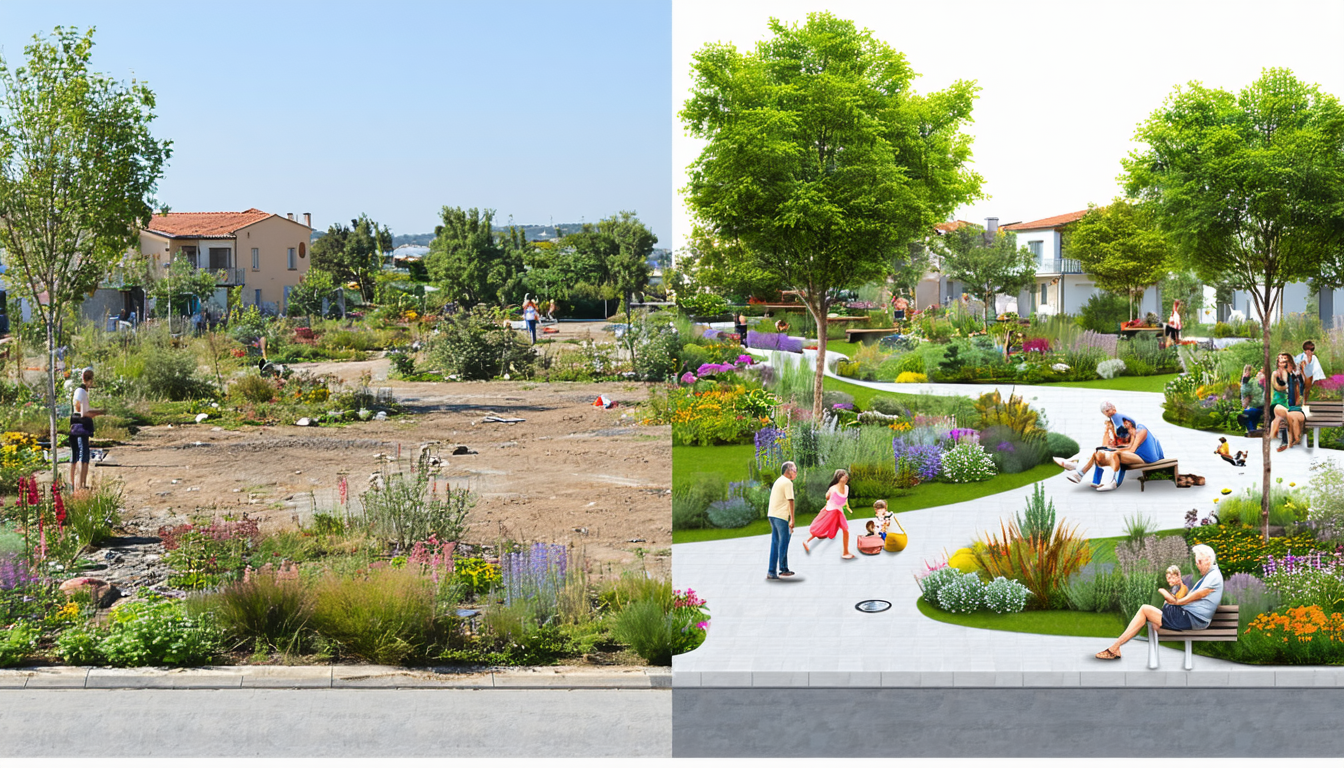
(873, 606)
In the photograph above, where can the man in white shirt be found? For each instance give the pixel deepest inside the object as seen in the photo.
(1310, 366)
(781, 517)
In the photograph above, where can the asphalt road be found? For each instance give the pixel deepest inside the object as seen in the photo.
(336, 723)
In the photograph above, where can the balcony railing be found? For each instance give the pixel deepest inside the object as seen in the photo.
(1059, 266)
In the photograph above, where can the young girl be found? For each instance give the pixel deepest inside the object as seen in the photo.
(832, 519)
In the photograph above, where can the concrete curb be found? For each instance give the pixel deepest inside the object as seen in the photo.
(350, 676)
(1316, 677)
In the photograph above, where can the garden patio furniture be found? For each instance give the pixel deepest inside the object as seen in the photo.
(1324, 413)
(1223, 629)
(1160, 466)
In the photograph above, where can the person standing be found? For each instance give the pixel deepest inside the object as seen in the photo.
(1252, 400)
(551, 310)
(1309, 365)
(740, 327)
(1172, 333)
(781, 517)
(898, 307)
(530, 317)
(81, 429)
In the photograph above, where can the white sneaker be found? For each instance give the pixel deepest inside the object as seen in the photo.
(1067, 464)
(1111, 486)
(1073, 476)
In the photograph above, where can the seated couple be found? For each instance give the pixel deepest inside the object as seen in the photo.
(1125, 443)
(1183, 610)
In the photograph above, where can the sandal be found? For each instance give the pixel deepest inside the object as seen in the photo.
(806, 548)
(1282, 448)
(1108, 655)
(846, 556)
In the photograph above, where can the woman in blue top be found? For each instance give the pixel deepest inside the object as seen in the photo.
(1143, 448)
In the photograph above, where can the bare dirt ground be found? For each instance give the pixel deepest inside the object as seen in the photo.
(569, 473)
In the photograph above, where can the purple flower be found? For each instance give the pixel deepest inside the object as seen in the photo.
(688, 378)
(1005, 446)
(745, 360)
(843, 406)
(927, 458)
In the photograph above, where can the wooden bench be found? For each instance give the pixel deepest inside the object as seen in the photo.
(1223, 629)
(1154, 467)
(868, 335)
(1324, 413)
(1130, 333)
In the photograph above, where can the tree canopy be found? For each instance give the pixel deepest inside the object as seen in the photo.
(78, 166)
(354, 254)
(1121, 247)
(1248, 188)
(820, 159)
(470, 263)
(987, 264)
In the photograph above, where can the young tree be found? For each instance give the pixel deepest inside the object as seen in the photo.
(466, 260)
(1121, 247)
(987, 264)
(181, 282)
(1249, 189)
(77, 168)
(821, 160)
(354, 253)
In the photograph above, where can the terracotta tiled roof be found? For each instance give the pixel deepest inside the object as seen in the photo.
(210, 224)
(950, 226)
(1050, 223)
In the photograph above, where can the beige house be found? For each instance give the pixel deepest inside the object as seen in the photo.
(265, 253)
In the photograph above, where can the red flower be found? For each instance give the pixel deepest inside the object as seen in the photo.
(59, 503)
(32, 491)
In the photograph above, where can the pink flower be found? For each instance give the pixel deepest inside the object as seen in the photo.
(688, 378)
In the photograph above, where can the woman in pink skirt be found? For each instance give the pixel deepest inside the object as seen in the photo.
(832, 519)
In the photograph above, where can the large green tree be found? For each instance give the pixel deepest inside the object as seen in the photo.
(471, 263)
(1249, 189)
(78, 165)
(354, 253)
(820, 158)
(1121, 247)
(989, 264)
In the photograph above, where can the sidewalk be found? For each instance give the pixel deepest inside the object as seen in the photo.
(805, 631)
(337, 677)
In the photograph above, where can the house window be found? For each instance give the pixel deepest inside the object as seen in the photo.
(220, 257)
(1036, 247)
(258, 301)
(256, 258)
(291, 262)
(1044, 288)
(188, 252)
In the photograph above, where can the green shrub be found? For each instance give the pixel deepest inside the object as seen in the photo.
(253, 389)
(1005, 596)
(1095, 588)
(650, 630)
(78, 646)
(386, 617)
(933, 583)
(693, 356)
(473, 345)
(92, 516)
(872, 481)
(888, 405)
(268, 607)
(1104, 312)
(1043, 565)
(1061, 445)
(1037, 521)
(404, 508)
(832, 397)
(963, 594)
(18, 643)
(159, 634)
(691, 500)
(170, 374)
(1140, 589)
(733, 512)
(633, 586)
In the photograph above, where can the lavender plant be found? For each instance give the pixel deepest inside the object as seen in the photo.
(535, 576)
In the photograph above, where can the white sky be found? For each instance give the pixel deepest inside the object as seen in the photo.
(1063, 84)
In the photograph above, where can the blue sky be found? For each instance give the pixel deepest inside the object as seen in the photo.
(543, 111)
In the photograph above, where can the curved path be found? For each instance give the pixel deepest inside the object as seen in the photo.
(805, 630)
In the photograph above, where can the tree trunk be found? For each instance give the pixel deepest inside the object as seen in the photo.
(818, 309)
(1266, 310)
(51, 388)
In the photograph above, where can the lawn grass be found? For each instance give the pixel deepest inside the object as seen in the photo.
(1122, 383)
(921, 496)
(1069, 623)
(731, 461)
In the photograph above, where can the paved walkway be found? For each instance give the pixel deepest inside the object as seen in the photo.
(806, 631)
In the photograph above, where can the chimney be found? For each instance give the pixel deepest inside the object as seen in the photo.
(992, 224)
(290, 215)
(308, 220)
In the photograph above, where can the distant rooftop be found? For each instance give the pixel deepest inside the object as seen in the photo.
(205, 224)
(1050, 223)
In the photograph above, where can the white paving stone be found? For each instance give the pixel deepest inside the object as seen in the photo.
(809, 625)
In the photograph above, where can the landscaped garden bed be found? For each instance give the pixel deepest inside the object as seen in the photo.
(1290, 588)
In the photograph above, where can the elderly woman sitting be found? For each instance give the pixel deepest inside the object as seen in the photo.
(1194, 611)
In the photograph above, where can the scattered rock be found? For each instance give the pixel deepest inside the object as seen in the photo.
(635, 541)
(462, 450)
(509, 444)
(201, 417)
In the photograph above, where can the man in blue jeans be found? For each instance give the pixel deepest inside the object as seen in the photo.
(781, 521)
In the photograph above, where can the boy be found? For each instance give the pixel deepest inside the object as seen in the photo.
(1178, 588)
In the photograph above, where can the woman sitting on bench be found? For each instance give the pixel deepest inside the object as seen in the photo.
(1143, 448)
(1193, 611)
